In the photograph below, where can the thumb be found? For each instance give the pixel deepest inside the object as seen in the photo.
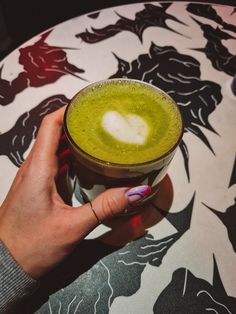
(114, 201)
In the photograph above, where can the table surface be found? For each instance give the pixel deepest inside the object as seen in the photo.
(177, 255)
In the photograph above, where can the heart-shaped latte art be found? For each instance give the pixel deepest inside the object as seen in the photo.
(131, 128)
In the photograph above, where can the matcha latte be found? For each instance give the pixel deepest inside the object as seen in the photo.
(121, 132)
(124, 122)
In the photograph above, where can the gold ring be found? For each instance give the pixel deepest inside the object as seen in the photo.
(99, 221)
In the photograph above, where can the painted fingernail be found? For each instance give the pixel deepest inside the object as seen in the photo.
(135, 194)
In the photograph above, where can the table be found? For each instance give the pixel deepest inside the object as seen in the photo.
(178, 256)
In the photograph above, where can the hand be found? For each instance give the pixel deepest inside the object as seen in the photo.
(36, 226)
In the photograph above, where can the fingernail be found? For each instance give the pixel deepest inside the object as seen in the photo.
(137, 193)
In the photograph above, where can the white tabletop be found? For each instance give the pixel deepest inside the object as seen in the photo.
(186, 261)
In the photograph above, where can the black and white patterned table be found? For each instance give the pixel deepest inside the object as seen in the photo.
(179, 255)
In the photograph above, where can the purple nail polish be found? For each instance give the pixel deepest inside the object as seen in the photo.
(135, 194)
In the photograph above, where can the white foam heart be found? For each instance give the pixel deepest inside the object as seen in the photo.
(131, 128)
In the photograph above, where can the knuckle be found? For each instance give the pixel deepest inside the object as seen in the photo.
(47, 119)
(111, 205)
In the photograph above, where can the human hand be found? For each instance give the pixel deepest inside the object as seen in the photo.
(36, 226)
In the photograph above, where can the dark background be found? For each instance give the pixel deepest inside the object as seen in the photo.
(22, 19)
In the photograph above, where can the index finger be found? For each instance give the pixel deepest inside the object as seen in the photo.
(49, 133)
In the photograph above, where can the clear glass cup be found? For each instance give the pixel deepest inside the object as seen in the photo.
(95, 175)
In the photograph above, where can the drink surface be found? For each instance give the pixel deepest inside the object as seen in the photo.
(124, 122)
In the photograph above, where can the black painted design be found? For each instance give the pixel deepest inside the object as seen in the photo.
(94, 15)
(216, 52)
(184, 150)
(180, 76)
(233, 175)
(15, 142)
(150, 16)
(207, 11)
(104, 281)
(180, 220)
(187, 294)
(228, 218)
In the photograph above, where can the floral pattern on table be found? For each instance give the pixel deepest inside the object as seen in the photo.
(43, 64)
(151, 15)
(164, 67)
(189, 294)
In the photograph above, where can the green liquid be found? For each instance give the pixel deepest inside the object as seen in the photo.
(85, 121)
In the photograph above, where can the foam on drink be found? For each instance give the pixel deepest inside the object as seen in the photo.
(130, 129)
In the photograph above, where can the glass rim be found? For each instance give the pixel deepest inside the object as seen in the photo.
(113, 164)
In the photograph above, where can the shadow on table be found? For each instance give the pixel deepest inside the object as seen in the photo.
(87, 254)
